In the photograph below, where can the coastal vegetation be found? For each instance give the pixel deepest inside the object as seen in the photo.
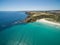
(48, 15)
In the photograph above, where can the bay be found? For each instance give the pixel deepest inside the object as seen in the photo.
(30, 34)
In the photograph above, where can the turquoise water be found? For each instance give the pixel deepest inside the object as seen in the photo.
(31, 34)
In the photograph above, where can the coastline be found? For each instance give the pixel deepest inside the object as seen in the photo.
(48, 22)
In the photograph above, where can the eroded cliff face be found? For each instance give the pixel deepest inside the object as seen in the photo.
(48, 15)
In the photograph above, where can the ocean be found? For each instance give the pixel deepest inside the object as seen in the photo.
(33, 33)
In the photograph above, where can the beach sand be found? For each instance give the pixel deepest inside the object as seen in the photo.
(49, 22)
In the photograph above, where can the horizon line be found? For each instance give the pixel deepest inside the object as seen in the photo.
(29, 10)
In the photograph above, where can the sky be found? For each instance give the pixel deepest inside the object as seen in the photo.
(24, 5)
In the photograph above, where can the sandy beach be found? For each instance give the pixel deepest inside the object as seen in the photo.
(49, 22)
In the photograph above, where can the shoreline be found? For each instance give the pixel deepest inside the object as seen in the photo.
(49, 22)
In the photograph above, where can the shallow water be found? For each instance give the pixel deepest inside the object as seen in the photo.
(30, 34)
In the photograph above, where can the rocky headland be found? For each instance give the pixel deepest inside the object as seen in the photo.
(53, 15)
